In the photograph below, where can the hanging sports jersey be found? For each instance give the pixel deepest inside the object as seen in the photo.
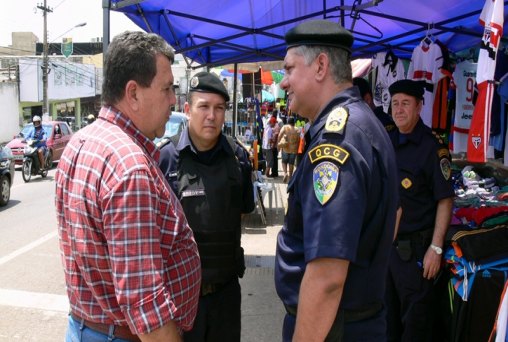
(389, 68)
(441, 113)
(491, 18)
(426, 63)
(464, 78)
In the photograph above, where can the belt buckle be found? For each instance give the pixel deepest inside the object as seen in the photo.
(207, 289)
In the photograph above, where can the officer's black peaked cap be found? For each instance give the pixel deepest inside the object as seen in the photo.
(408, 87)
(319, 32)
(206, 82)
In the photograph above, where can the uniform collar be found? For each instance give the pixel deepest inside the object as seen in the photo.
(186, 142)
(343, 98)
(117, 118)
(416, 135)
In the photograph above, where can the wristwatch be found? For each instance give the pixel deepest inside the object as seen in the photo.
(437, 249)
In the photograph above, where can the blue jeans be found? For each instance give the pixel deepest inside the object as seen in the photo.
(77, 332)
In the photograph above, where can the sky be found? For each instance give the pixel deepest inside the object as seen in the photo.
(24, 16)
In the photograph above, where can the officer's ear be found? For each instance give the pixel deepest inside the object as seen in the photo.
(322, 64)
(186, 109)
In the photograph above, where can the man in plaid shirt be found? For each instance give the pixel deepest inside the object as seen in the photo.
(131, 264)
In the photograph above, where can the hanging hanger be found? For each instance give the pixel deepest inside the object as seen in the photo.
(428, 39)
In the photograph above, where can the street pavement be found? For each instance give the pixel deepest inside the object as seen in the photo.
(262, 311)
(33, 303)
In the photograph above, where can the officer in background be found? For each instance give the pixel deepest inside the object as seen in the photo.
(426, 196)
(366, 93)
(212, 176)
(333, 249)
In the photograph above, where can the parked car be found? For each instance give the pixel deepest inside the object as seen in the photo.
(6, 174)
(58, 134)
(176, 124)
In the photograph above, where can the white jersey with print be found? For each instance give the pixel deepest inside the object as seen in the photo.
(464, 78)
(388, 69)
(492, 20)
(426, 63)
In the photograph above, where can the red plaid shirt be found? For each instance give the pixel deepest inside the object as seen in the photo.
(128, 253)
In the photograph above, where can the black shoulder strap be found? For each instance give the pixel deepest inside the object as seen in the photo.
(175, 139)
(231, 143)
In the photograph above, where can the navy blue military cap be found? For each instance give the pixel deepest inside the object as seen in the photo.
(206, 82)
(408, 87)
(319, 32)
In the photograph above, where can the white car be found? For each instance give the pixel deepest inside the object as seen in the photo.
(176, 124)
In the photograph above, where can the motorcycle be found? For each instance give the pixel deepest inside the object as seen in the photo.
(31, 164)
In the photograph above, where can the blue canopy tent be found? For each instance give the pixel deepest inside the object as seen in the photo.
(215, 33)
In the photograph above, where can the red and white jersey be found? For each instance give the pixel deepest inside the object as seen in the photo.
(464, 78)
(492, 18)
(426, 63)
(389, 69)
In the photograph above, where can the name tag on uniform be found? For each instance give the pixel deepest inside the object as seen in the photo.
(193, 193)
(173, 174)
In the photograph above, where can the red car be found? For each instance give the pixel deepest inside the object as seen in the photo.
(58, 134)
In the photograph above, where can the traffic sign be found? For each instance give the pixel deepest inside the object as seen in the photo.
(67, 47)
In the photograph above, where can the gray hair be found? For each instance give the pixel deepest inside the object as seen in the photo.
(132, 56)
(340, 60)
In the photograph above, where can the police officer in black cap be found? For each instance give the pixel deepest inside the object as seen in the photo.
(426, 196)
(211, 174)
(333, 249)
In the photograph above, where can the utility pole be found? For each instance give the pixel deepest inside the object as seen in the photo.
(45, 68)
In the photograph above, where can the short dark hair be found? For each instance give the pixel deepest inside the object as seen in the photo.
(363, 85)
(131, 56)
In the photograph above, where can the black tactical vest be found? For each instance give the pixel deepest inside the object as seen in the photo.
(211, 196)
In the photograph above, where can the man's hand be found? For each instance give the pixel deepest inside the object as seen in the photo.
(431, 264)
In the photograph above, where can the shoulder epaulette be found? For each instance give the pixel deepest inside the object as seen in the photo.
(336, 120)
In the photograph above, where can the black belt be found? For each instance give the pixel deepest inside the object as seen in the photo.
(120, 331)
(210, 288)
(420, 237)
(349, 315)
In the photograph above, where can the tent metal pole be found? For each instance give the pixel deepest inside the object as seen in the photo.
(235, 106)
(105, 26)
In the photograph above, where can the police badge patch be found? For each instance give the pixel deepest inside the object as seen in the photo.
(325, 179)
(194, 82)
(446, 168)
(336, 120)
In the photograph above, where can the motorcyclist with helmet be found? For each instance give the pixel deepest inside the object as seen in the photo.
(90, 118)
(38, 134)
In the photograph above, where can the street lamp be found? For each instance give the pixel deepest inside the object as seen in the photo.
(72, 28)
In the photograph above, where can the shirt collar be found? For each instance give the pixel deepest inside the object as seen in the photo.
(186, 142)
(416, 135)
(117, 118)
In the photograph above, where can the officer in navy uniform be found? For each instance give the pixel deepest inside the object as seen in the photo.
(333, 249)
(426, 197)
(212, 176)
